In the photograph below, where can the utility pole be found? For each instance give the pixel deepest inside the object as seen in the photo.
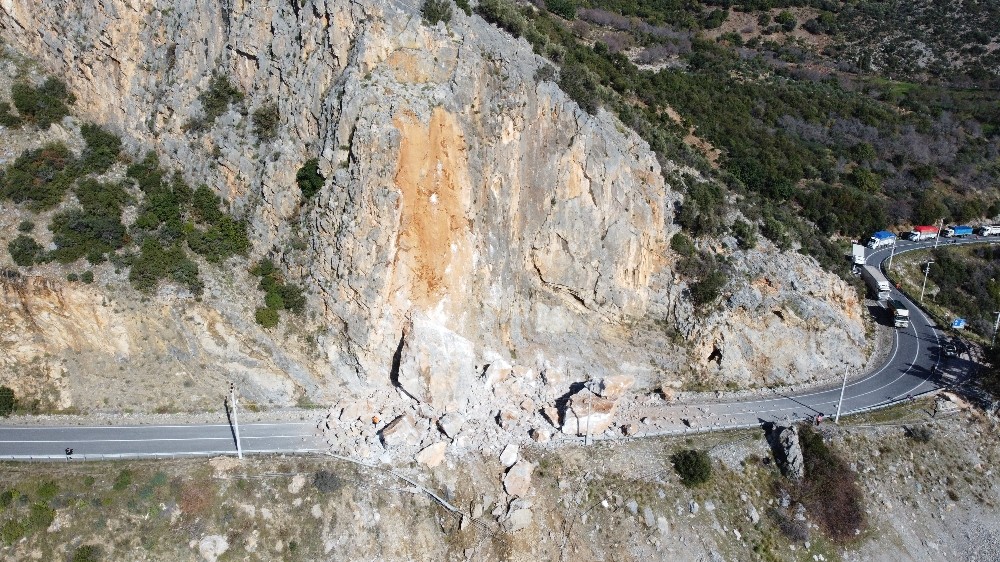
(995, 326)
(924, 286)
(892, 252)
(236, 421)
(841, 401)
(938, 237)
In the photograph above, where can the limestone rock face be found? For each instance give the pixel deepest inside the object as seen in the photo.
(462, 195)
(785, 321)
(457, 185)
(436, 365)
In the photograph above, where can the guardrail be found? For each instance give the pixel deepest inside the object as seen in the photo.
(151, 456)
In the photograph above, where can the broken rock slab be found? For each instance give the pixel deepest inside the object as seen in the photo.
(588, 413)
(436, 366)
(432, 455)
(451, 424)
(517, 520)
(509, 455)
(400, 432)
(517, 481)
(613, 387)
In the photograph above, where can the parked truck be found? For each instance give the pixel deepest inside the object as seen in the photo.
(988, 230)
(900, 314)
(881, 238)
(922, 233)
(876, 282)
(958, 231)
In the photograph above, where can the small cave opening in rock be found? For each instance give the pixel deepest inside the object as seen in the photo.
(716, 355)
(779, 314)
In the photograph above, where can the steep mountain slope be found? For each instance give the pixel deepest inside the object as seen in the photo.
(462, 191)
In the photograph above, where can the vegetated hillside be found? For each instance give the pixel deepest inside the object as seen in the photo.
(793, 107)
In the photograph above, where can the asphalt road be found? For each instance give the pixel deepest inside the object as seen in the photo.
(138, 441)
(913, 368)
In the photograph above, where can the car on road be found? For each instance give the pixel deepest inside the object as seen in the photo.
(951, 349)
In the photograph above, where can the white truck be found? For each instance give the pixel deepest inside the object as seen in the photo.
(900, 314)
(988, 230)
(876, 282)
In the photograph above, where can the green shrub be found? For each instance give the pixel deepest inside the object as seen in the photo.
(435, 11)
(102, 149)
(26, 226)
(693, 466)
(267, 317)
(155, 263)
(293, 298)
(47, 490)
(265, 121)
(8, 119)
(327, 482)
(682, 244)
(25, 251)
(579, 84)
(147, 174)
(504, 14)
(40, 517)
(12, 531)
(40, 177)
(786, 20)
(205, 204)
(309, 179)
(8, 403)
(273, 300)
(215, 101)
(72, 277)
(123, 480)
(746, 234)
(43, 105)
(708, 288)
(464, 6)
(220, 241)
(562, 8)
(77, 233)
(87, 553)
(87, 277)
(8, 495)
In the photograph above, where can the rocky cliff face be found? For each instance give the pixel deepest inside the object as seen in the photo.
(459, 188)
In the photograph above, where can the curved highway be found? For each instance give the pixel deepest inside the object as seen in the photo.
(911, 370)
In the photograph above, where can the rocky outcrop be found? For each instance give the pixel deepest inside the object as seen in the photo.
(784, 321)
(464, 199)
(790, 457)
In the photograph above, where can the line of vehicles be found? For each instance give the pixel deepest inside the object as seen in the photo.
(885, 238)
(880, 286)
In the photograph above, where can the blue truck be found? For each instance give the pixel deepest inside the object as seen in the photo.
(881, 238)
(958, 231)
